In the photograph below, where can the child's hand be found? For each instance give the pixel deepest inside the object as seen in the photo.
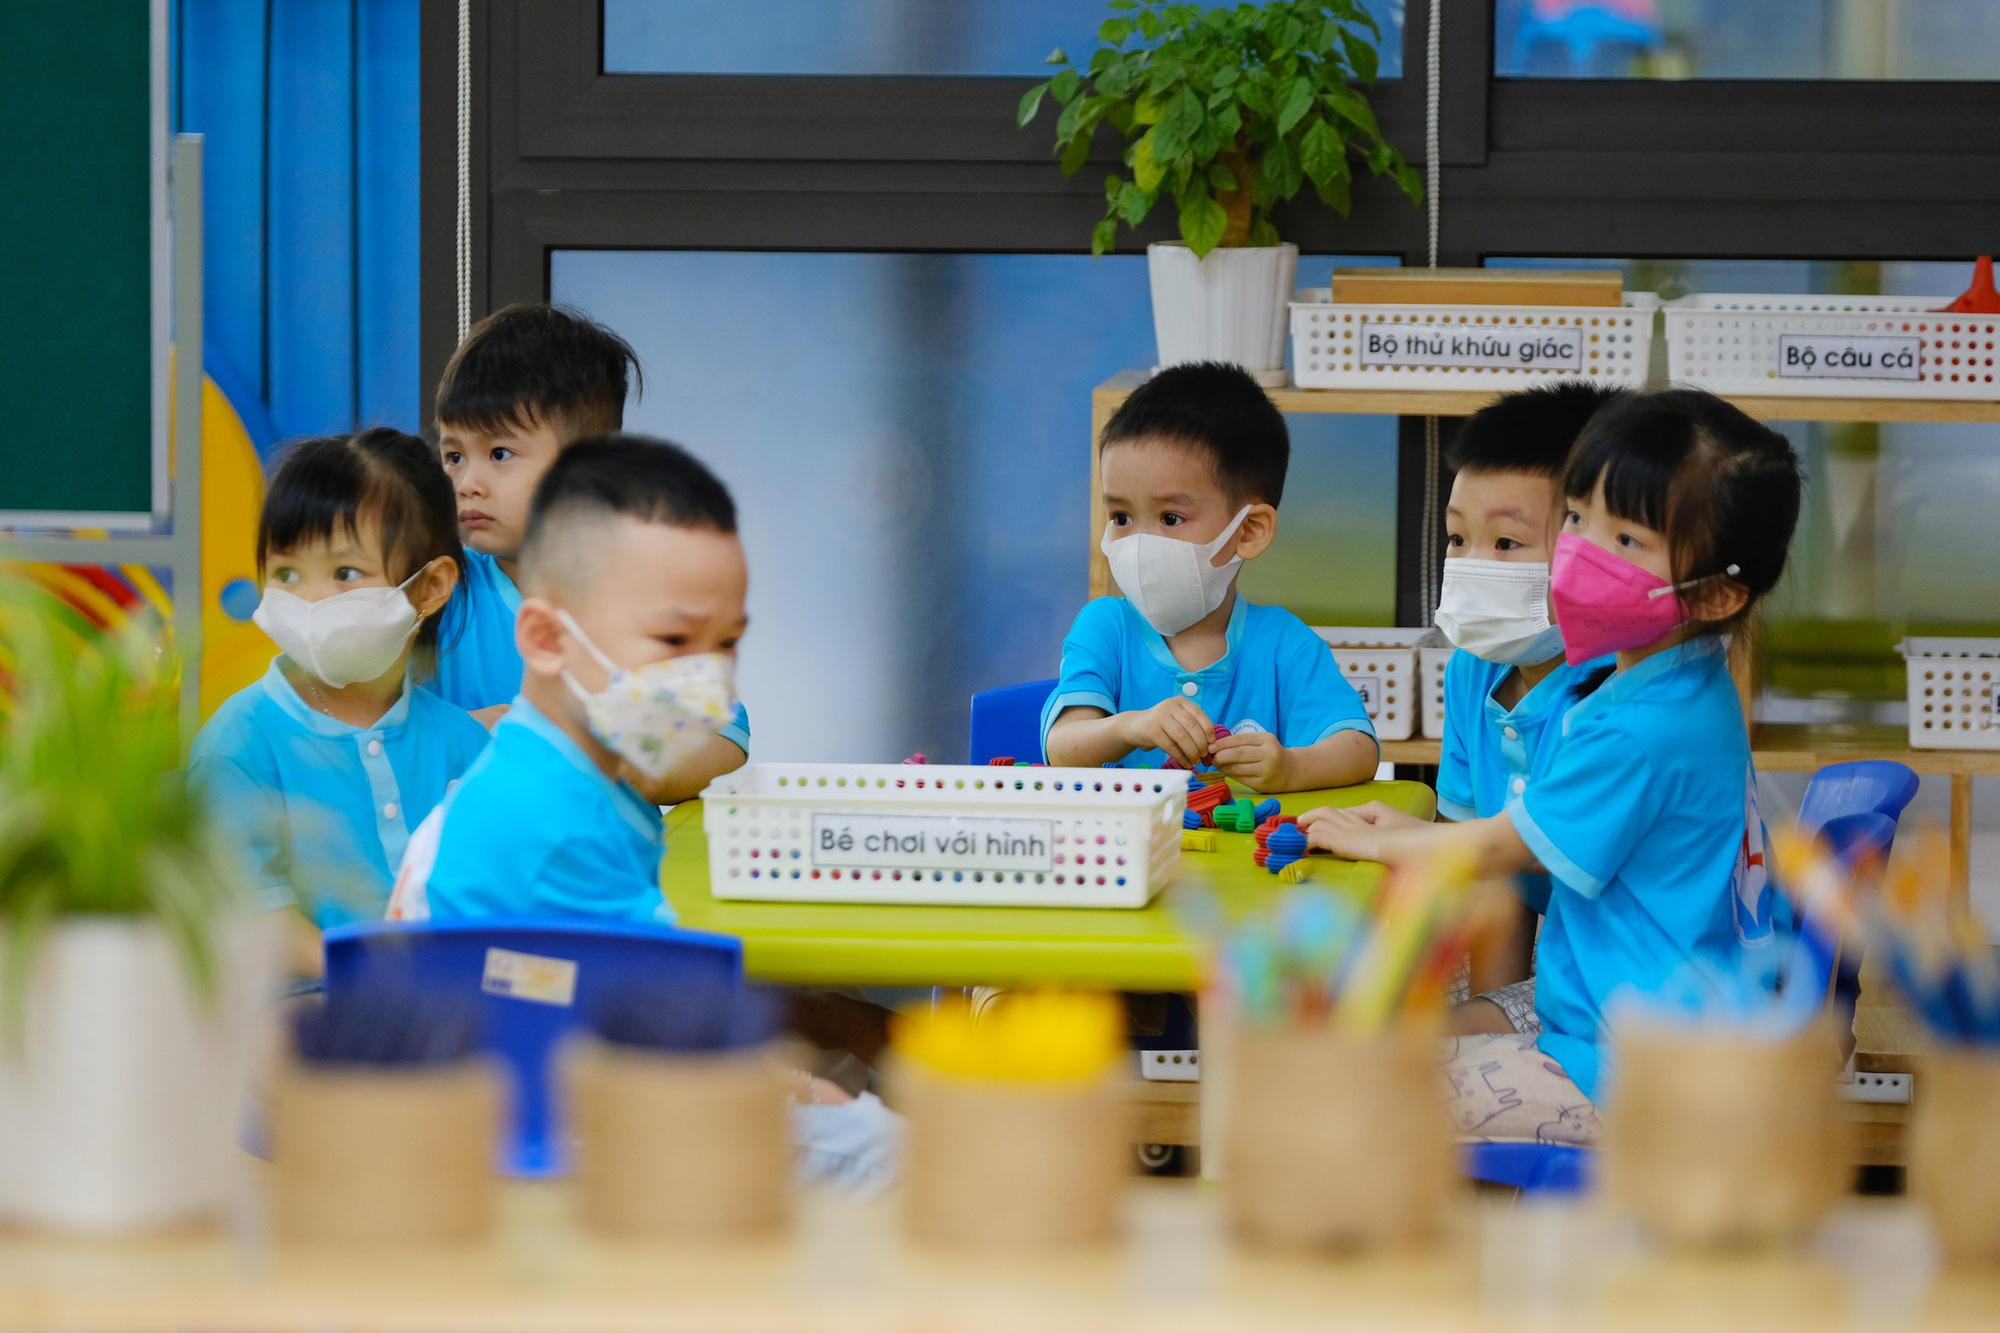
(1378, 815)
(1254, 758)
(1175, 725)
(1349, 834)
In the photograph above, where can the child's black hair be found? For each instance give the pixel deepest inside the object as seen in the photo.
(630, 475)
(1722, 487)
(528, 363)
(1530, 431)
(333, 482)
(1221, 411)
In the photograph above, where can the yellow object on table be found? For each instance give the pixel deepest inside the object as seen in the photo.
(1198, 840)
(1144, 949)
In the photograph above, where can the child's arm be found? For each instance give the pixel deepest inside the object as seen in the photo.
(720, 755)
(1085, 737)
(1260, 762)
(1494, 846)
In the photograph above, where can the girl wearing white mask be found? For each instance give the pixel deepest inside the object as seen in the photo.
(1507, 686)
(323, 767)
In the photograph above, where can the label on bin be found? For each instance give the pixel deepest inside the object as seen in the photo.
(1370, 690)
(1421, 346)
(529, 976)
(933, 842)
(1819, 356)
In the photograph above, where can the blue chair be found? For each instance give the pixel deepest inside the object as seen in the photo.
(1008, 721)
(534, 980)
(1854, 806)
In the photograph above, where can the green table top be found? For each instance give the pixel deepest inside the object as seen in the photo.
(845, 944)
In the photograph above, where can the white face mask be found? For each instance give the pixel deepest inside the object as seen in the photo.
(657, 715)
(1172, 583)
(1498, 610)
(348, 637)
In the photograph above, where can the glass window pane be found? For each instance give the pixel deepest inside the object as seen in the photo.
(1746, 39)
(873, 36)
(908, 441)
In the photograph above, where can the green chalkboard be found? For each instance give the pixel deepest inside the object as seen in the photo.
(76, 258)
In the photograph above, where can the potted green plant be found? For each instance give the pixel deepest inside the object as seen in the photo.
(1229, 112)
(132, 983)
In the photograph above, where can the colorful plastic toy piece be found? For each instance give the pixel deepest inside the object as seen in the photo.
(1980, 298)
(1287, 840)
(1267, 808)
(1297, 872)
(1001, 761)
(917, 758)
(1190, 819)
(1199, 840)
(1237, 816)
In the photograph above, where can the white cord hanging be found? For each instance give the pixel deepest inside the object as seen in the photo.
(1430, 553)
(464, 218)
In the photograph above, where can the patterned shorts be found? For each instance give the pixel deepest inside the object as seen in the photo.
(1504, 1090)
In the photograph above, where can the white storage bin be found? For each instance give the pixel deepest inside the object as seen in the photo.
(941, 833)
(1381, 664)
(1430, 673)
(1831, 347)
(1952, 683)
(1495, 347)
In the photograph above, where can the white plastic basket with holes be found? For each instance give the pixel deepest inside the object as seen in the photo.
(1831, 347)
(938, 833)
(1468, 346)
(1381, 664)
(1952, 688)
(1431, 662)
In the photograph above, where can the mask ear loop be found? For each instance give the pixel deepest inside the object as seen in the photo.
(1729, 573)
(568, 622)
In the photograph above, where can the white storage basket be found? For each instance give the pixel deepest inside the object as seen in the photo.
(939, 833)
(1381, 664)
(1831, 347)
(1495, 347)
(1430, 669)
(1952, 683)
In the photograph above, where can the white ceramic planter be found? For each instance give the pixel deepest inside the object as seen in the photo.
(1232, 305)
(122, 1100)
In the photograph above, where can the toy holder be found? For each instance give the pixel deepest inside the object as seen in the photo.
(1955, 1152)
(385, 1157)
(1431, 662)
(1831, 347)
(1721, 1138)
(1381, 664)
(1952, 692)
(1336, 1142)
(685, 1146)
(1007, 1165)
(1491, 347)
(943, 834)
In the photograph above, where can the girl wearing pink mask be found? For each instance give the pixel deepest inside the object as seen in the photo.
(1680, 512)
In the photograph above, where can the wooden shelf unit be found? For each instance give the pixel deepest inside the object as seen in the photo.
(1776, 748)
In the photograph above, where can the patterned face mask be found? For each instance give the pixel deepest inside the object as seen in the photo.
(655, 716)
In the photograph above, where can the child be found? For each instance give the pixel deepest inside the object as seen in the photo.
(1193, 467)
(1681, 510)
(324, 766)
(634, 583)
(1507, 683)
(528, 381)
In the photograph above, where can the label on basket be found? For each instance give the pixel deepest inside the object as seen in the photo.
(1819, 356)
(1370, 690)
(933, 842)
(1486, 348)
(529, 976)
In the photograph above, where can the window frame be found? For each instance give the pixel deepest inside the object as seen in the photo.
(568, 157)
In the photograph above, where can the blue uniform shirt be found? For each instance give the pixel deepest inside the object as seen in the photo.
(1492, 753)
(320, 810)
(1275, 674)
(537, 829)
(1647, 821)
(481, 666)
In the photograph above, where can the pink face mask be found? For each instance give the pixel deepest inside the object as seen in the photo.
(1607, 605)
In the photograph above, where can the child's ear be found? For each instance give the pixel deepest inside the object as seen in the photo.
(1717, 599)
(1259, 530)
(434, 589)
(538, 634)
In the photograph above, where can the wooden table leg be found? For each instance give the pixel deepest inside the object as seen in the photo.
(1961, 842)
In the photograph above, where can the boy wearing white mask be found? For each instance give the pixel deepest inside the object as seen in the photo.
(1507, 686)
(322, 768)
(1193, 468)
(632, 603)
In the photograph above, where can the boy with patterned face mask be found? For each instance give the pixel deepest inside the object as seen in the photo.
(1193, 467)
(632, 603)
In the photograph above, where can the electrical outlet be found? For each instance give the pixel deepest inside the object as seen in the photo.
(1171, 1066)
(1860, 1087)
